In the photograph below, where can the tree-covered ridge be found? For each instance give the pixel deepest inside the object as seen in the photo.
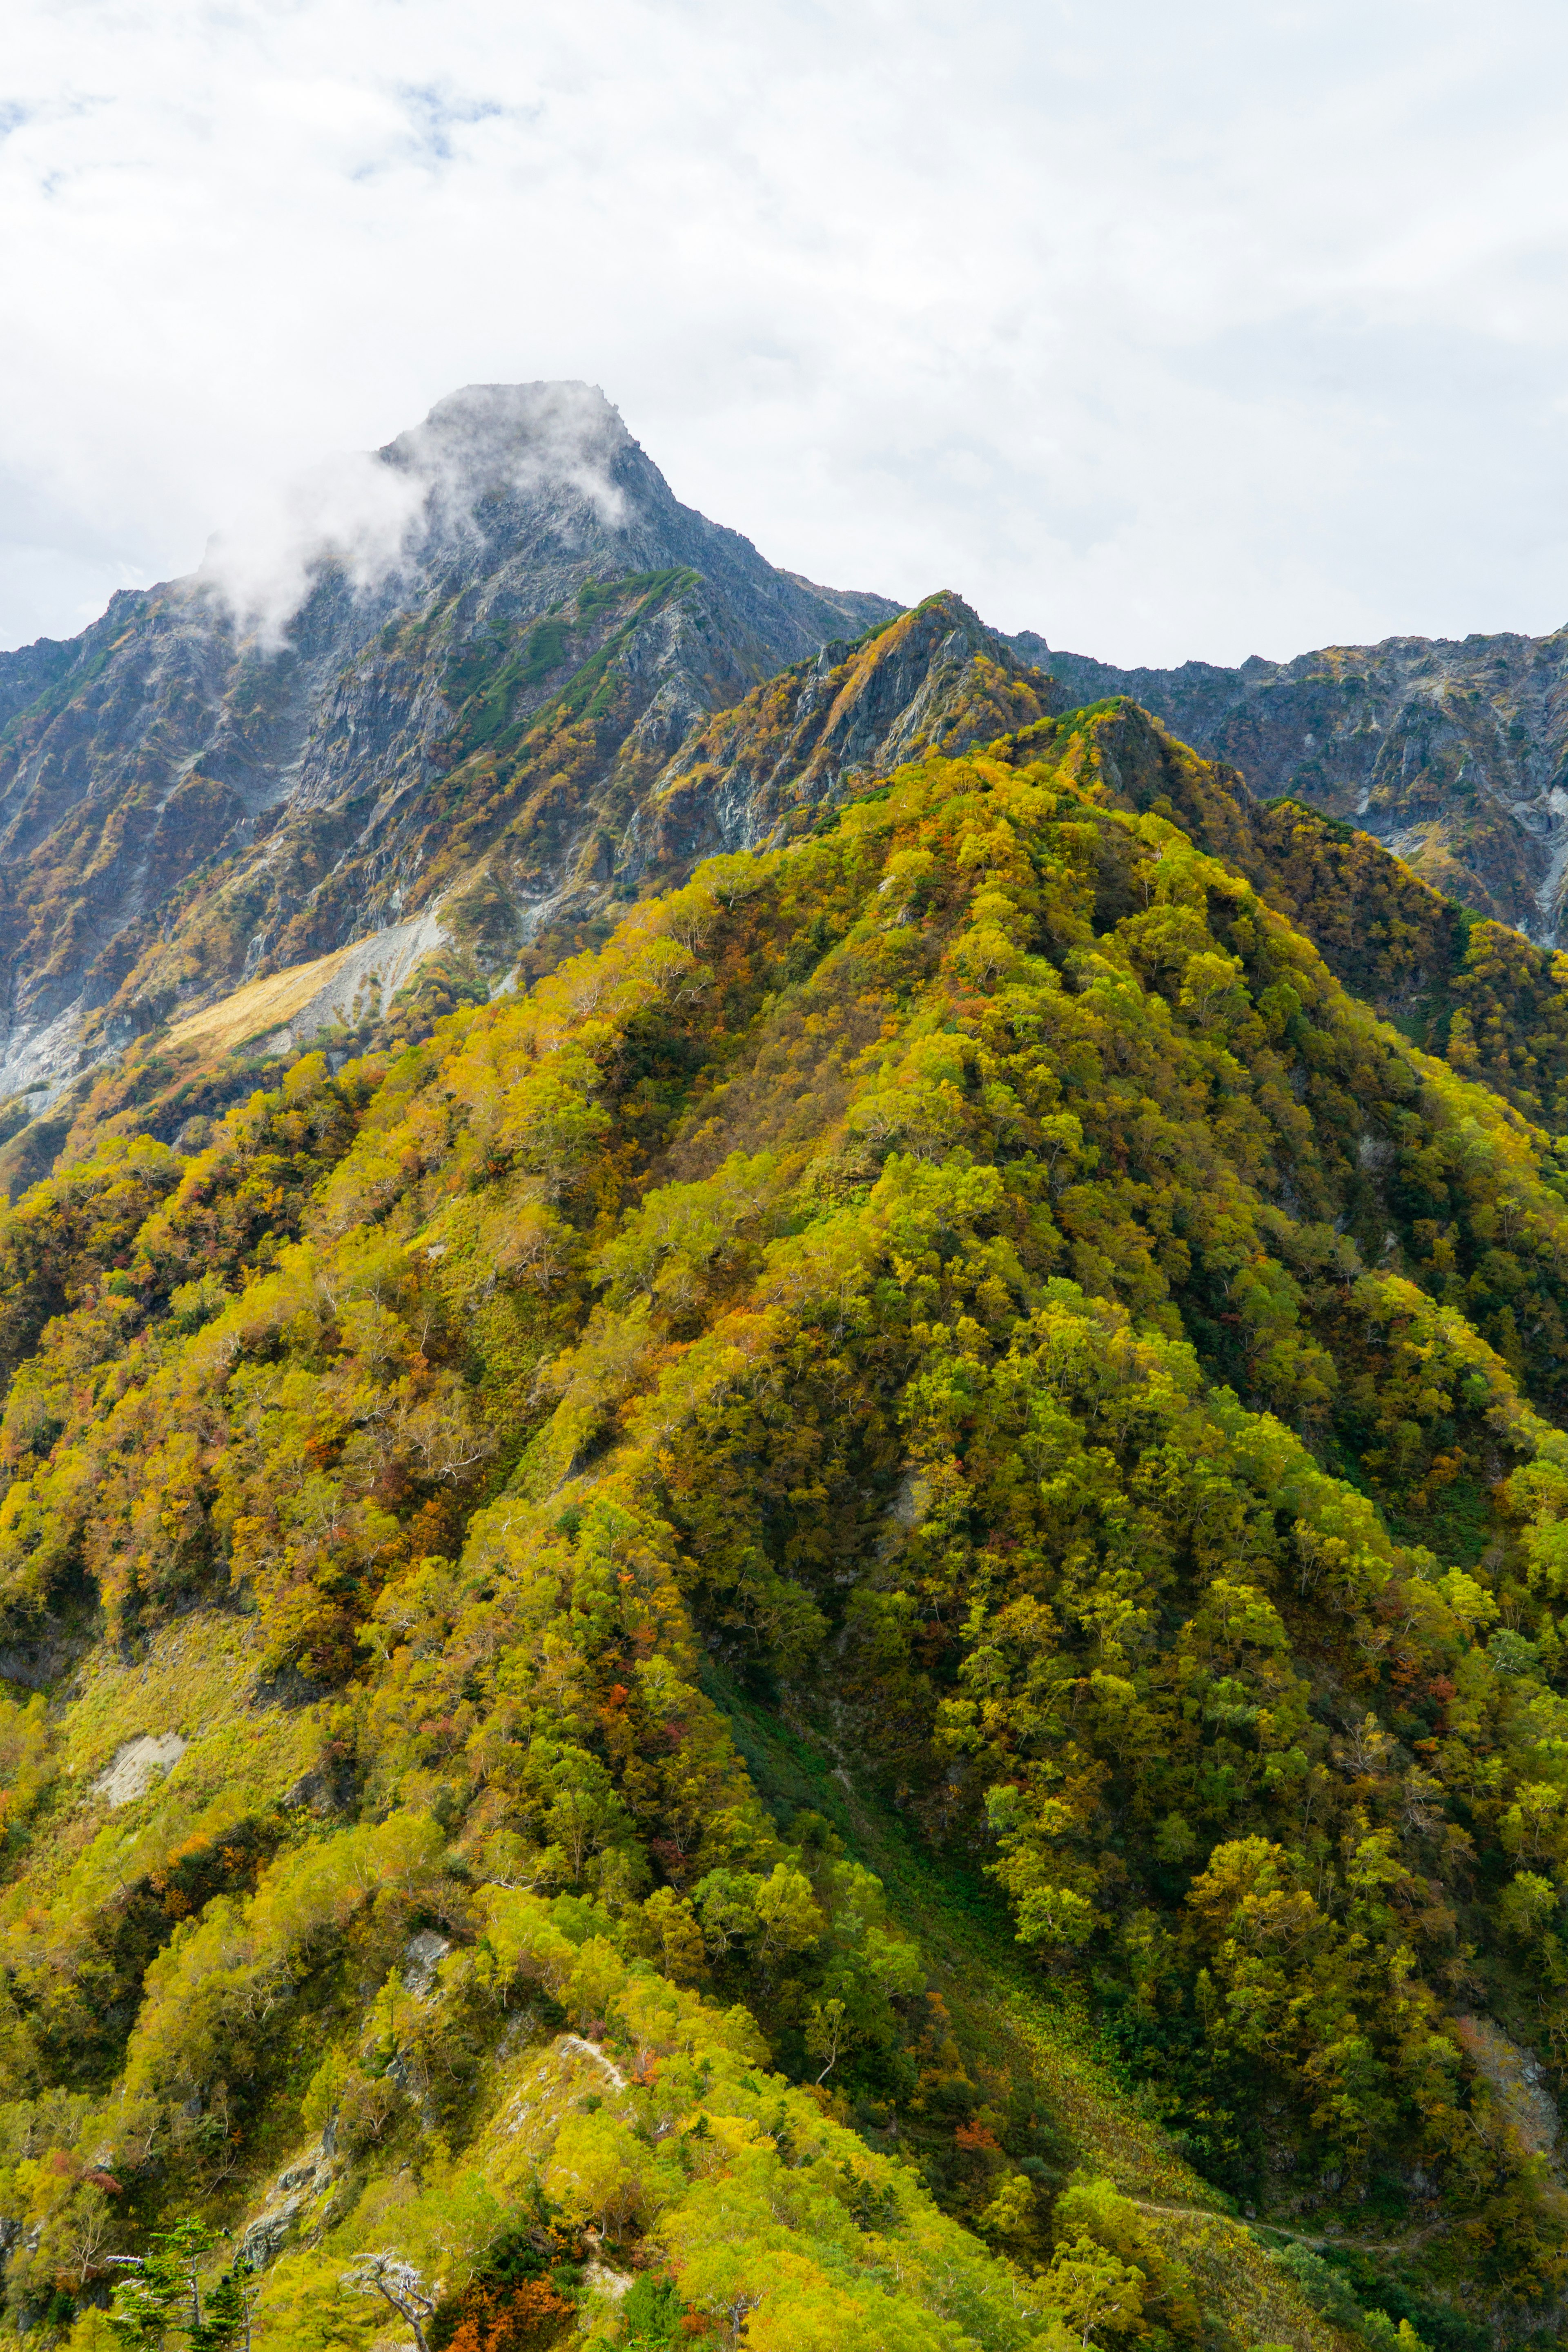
(973, 1282)
(1490, 1001)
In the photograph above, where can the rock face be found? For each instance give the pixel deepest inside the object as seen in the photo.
(519, 685)
(203, 787)
(935, 680)
(1453, 754)
(135, 1767)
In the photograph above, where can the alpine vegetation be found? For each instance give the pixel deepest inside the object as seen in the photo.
(816, 1600)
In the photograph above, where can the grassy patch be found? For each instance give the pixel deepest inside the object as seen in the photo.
(197, 1679)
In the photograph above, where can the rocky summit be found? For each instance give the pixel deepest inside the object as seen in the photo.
(193, 793)
(784, 1463)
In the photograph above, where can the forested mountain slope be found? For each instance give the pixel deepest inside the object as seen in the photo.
(1493, 1004)
(1453, 754)
(957, 1341)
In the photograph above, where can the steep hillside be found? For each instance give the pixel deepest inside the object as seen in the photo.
(531, 836)
(1454, 754)
(185, 799)
(1492, 1003)
(843, 1630)
(936, 679)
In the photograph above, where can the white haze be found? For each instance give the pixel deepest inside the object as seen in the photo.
(1205, 330)
(371, 516)
(350, 510)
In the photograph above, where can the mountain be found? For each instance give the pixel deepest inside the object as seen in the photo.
(1490, 1002)
(935, 680)
(934, 677)
(783, 1449)
(843, 1625)
(194, 793)
(443, 774)
(1454, 754)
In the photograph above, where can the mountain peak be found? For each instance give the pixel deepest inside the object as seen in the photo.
(520, 436)
(340, 704)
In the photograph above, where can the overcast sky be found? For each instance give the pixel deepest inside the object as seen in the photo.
(1164, 330)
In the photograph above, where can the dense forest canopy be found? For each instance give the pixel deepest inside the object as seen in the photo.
(957, 1437)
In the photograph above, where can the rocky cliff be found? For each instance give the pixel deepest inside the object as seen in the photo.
(1453, 754)
(934, 679)
(199, 790)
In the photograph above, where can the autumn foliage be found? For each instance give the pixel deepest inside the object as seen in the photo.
(974, 1295)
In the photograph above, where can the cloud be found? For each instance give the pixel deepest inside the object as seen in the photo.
(522, 437)
(1168, 333)
(350, 510)
(380, 516)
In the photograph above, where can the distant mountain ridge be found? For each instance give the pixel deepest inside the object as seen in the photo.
(1453, 754)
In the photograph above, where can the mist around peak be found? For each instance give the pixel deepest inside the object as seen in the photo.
(379, 517)
(519, 437)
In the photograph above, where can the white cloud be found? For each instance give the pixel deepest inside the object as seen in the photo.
(350, 509)
(1167, 331)
(372, 516)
